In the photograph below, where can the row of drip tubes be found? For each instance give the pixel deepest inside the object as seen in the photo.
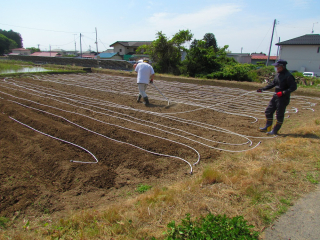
(207, 97)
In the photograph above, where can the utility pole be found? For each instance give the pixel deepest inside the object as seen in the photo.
(75, 43)
(274, 24)
(39, 47)
(278, 49)
(80, 47)
(97, 40)
(50, 49)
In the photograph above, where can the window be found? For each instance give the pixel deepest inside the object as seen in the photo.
(120, 50)
(318, 50)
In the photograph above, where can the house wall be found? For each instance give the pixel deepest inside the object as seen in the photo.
(241, 57)
(22, 52)
(120, 49)
(302, 58)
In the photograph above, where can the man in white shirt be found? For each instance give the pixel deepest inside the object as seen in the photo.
(145, 76)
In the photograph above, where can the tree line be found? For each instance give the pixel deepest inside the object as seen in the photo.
(203, 59)
(9, 40)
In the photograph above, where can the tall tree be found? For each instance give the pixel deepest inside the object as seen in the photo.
(6, 44)
(211, 41)
(204, 57)
(166, 53)
(14, 36)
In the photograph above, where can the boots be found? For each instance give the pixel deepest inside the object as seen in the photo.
(139, 98)
(275, 129)
(146, 101)
(268, 126)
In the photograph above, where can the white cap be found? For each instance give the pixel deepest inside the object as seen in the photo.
(140, 61)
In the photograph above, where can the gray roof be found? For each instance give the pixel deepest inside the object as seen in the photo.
(308, 39)
(132, 43)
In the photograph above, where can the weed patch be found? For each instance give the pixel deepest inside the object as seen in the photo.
(211, 227)
(143, 188)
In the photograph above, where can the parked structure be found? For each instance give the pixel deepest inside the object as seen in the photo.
(20, 51)
(302, 53)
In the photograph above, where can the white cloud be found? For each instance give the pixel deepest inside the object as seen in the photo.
(215, 14)
(301, 3)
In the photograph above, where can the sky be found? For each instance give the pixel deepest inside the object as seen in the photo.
(244, 25)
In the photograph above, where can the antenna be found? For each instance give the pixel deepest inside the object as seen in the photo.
(313, 26)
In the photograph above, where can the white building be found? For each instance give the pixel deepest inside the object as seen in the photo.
(127, 47)
(302, 53)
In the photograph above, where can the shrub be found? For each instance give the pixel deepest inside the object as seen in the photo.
(143, 188)
(238, 72)
(211, 227)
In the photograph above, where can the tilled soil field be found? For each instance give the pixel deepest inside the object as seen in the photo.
(76, 141)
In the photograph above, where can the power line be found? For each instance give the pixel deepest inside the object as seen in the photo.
(38, 29)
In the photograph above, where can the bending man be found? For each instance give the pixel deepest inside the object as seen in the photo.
(145, 76)
(284, 84)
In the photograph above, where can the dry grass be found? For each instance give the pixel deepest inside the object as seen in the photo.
(259, 185)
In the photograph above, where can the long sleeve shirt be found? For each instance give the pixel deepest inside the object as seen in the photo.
(283, 82)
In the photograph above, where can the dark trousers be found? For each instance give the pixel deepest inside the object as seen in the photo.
(278, 105)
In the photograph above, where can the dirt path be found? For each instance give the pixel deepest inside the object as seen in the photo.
(301, 221)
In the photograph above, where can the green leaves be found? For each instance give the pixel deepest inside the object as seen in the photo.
(143, 188)
(166, 53)
(211, 227)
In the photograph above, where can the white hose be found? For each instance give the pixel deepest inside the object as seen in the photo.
(59, 139)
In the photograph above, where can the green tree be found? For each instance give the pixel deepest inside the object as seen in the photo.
(211, 41)
(204, 57)
(14, 36)
(166, 53)
(6, 44)
(33, 49)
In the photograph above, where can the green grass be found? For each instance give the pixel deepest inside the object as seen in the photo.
(143, 188)
(3, 222)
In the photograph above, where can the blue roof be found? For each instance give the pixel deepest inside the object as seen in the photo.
(107, 55)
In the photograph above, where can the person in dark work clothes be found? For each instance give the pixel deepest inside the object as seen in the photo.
(284, 84)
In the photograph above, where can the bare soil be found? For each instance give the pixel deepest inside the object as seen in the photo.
(39, 174)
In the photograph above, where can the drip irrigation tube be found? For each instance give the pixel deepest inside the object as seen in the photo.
(59, 139)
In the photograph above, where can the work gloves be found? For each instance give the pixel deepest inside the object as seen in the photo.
(278, 94)
(151, 81)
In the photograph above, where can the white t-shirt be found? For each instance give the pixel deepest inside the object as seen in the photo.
(144, 71)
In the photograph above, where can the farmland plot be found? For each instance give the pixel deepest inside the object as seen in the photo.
(81, 140)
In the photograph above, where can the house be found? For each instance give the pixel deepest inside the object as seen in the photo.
(20, 51)
(108, 55)
(128, 47)
(46, 54)
(88, 56)
(65, 52)
(302, 53)
(262, 58)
